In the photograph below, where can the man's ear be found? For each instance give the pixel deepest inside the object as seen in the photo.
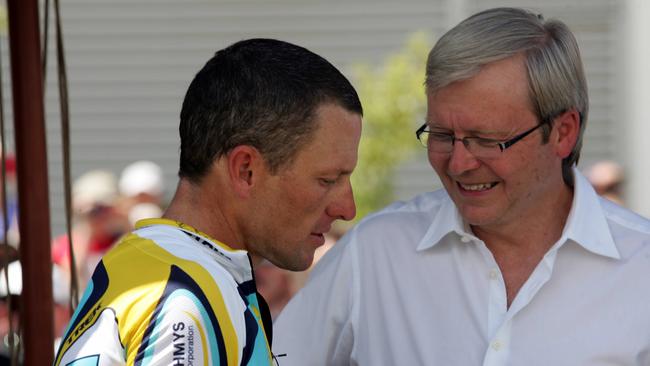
(566, 131)
(244, 164)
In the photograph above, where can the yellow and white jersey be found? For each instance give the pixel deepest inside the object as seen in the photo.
(168, 294)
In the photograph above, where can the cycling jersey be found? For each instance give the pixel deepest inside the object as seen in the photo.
(168, 294)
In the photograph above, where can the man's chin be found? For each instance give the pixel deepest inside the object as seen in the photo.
(479, 216)
(295, 263)
(297, 267)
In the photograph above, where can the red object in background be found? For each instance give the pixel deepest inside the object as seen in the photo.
(10, 165)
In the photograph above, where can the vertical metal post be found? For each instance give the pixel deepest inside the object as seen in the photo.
(634, 116)
(31, 158)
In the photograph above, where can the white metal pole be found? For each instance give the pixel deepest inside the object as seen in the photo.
(635, 103)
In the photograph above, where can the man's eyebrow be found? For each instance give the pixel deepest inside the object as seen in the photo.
(471, 132)
(433, 125)
(486, 133)
(344, 172)
(336, 171)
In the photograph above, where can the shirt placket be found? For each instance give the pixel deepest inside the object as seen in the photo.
(499, 320)
(500, 317)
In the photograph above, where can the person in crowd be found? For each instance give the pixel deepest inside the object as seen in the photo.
(142, 189)
(10, 286)
(10, 308)
(97, 223)
(608, 178)
(517, 261)
(269, 138)
(9, 203)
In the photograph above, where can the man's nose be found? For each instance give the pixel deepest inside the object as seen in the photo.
(461, 160)
(343, 206)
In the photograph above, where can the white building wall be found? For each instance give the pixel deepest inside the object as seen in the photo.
(130, 61)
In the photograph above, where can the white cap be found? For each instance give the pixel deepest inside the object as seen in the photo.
(141, 177)
(95, 187)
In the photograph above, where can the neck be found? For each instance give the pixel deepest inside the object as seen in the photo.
(539, 229)
(205, 211)
(519, 247)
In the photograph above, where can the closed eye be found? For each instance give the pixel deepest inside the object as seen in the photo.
(485, 142)
(327, 181)
(443, 137)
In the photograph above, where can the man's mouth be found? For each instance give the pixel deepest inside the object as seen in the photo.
(477, 187)
(321, 230)
(317, 239)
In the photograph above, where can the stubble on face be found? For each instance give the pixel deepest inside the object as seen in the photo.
(294, 207)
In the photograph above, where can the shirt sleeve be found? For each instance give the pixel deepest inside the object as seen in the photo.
(98, 345)
(178, 335)
(317, 326)
(149, 325)
(183, 329)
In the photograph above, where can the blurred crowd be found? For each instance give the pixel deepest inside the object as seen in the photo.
(607, 178)
(106, 206)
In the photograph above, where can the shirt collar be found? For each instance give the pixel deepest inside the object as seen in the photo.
(184, 237)
(586, 223)
(447, 219)
(216, 247)
(162, 221)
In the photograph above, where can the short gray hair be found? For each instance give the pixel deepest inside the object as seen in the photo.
(555, 72)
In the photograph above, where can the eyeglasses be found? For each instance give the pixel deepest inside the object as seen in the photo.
(477, 146)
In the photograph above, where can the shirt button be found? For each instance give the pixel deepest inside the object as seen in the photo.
(465, 239)
(493, 274)
(496, 345)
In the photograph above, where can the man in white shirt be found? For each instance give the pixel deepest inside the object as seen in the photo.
(517, 261)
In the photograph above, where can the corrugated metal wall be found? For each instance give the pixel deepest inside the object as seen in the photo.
(129, 63)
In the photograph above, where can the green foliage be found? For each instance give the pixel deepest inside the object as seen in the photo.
(3, 20)
(394, 105)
